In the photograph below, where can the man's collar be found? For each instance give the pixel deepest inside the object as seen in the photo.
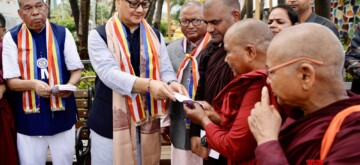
(36, 31)
(196, 43)
(311, 18)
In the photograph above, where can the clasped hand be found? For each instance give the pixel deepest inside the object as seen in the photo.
(43, 89)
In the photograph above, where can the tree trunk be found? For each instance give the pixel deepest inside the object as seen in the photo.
(281, 2)
(84, 28)
(322, 8)
(150, 14)
(249, 8)
(112, 9)
(49, 6)
(243, 11)
(75, 13)
(157, 21)
(262, 4)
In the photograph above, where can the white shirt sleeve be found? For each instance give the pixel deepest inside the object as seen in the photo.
(166, 69)
(72, 58)
(10, 57)
(107, 68)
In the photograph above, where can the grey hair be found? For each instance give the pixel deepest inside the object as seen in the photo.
(19, 1)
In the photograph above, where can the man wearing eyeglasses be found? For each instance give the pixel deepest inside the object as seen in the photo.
(307, 74)
(135, 76)
(184, 56)
(37, 55)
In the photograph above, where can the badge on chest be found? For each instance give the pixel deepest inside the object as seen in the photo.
(43, 64)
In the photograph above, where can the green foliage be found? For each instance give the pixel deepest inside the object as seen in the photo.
(164, 28)
(84, 84)
(348, 77)
(67, 21)
(102, 12)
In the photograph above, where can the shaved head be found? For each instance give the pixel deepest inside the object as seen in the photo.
(251, 31)
(246, 43)
(310, 40)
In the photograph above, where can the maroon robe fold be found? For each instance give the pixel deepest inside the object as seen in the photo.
(215, 74)
(234, 103)
(8, 151)
(300, 139)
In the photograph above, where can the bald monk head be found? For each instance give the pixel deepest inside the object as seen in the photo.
(246, 43)
(305, 64)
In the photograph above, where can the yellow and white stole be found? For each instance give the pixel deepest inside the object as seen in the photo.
(27, 60)
(150, 49)
(194, 66)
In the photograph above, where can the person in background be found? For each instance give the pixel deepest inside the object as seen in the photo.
(213, 70)
(303, 8)
(8, 152)
(225, 121)
(281, 17)
(352, 61)
(134, 76)
(37, 55)
(184, 56)
(307, 73)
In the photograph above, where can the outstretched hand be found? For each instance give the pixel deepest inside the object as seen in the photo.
(179, 88)
(265, 120)
(160, 90)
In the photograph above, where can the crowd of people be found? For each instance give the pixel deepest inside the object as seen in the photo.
(266, 92)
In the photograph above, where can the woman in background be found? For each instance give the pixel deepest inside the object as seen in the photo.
(281, 17)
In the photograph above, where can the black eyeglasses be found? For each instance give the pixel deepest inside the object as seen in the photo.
(195, 22)
(135, 5)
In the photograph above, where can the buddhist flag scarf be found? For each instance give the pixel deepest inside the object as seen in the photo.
(194, 66)
(149, 52)
(29, 63)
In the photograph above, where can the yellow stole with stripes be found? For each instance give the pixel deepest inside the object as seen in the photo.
(150, 49)
(194, 78)
(28, 60)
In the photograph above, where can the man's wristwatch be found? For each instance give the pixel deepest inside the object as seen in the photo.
(204, 142)
(168, 83)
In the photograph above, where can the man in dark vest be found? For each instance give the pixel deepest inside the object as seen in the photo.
(134, 77)
(38, 55)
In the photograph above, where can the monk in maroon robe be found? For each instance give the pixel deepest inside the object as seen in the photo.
(8, 152)
(226, 126)
(305, 70)
(213, 71)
